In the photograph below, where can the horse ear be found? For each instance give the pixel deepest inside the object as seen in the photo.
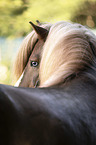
(42, 32)
(38, 23)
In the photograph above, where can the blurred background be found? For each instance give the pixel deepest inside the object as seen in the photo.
(14, 23)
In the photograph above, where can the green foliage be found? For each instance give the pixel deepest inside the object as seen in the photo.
(15, 14)
(86, 14)
(5, 69)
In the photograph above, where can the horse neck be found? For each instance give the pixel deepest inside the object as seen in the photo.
(91, 72)
(88, 75)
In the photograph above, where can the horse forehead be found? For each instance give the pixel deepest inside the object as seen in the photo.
(38, 46)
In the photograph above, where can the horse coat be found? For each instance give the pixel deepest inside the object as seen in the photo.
(49, 116)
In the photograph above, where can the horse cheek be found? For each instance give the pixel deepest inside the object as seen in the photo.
(34, 78)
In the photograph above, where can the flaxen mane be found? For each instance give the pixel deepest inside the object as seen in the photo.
(68, 50)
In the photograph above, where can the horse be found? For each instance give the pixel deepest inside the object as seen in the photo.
(62, 108)
(69, 51)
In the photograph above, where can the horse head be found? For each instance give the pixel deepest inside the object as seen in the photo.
(29, 55)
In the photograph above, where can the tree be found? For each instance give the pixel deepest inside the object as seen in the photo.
(86, 14)
(15, 14)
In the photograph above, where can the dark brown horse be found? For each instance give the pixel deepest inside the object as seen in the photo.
(50, 116)
(52, 53)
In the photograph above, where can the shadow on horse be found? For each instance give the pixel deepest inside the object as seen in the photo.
(61, 110)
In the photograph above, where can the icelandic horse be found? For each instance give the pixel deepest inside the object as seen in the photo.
(62, 109)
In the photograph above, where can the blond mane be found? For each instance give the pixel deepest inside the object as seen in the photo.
(66, 51)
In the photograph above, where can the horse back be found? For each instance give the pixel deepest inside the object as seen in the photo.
(52, 116)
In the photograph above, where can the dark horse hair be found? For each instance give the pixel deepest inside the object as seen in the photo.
(62, 111)
(49, 116)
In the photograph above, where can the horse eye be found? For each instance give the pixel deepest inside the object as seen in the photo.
(34, 63)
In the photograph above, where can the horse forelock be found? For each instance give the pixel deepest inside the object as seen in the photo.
(66, 51)
(23, 54)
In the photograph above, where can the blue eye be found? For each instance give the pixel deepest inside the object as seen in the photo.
(34, 63)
